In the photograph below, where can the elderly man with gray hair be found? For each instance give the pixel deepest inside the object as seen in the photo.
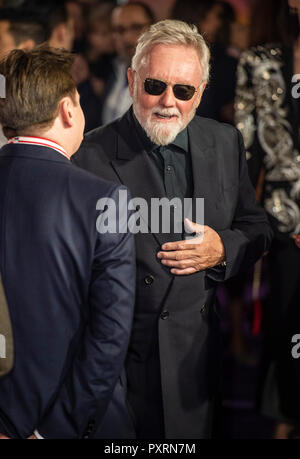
(163, 152)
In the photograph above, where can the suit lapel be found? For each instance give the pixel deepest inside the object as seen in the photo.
(136, 170)
(204, 165)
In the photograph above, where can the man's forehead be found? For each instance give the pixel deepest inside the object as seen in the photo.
(166, 51)
(178, 60)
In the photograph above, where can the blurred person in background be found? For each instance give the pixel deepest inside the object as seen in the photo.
(214, 19)
(240, 28)
(93, 66)
(128, 22)
(75, 11)
(59, 27)
(268, 114)
(19, 30)
(161, 9)
(211, 21)
(100, 50)
(99, 31)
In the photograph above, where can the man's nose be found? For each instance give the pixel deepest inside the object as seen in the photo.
(167, 99)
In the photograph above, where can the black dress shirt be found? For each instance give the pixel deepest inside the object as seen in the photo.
(172, 163)
(174, 169)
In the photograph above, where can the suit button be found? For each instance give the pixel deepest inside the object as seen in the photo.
(202, 309)
(164, 315)
(149, 280)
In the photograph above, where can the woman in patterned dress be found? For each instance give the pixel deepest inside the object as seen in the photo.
(268, 114)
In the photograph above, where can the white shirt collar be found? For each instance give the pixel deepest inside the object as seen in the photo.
(40, 141)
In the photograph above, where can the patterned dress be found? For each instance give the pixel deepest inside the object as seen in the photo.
(267, 113)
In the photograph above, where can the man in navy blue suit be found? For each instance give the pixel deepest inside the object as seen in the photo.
(69, 288)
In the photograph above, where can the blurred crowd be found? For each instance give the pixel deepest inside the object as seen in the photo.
(252, 61)
(103, 34)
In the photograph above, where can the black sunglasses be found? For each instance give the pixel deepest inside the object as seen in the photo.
(180, 91)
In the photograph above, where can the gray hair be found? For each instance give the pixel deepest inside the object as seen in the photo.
(172, 32)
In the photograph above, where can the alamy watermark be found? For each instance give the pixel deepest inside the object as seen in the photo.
(163, 215)
(295, 351)
(2, 87)
(296, 86)
(2, 347)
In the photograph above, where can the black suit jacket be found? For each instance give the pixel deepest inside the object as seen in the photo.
(173, 345)
(70, 292)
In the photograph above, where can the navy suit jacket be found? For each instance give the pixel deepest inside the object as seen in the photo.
(70, 292)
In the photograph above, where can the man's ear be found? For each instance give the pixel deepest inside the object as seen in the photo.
(28, 44)
(200, 92)
(130, 76)
(66, 111)
(202, 87)
(59, 37)
(9, 132)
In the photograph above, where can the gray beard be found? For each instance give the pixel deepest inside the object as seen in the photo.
(157, 133)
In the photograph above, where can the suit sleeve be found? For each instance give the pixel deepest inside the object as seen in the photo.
(88, 387)
(250, 234)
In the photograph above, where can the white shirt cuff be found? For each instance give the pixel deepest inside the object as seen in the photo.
(38, 436)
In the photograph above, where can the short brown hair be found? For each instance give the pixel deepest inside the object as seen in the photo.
(36, 81)
(27, 30)
(23, 25)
